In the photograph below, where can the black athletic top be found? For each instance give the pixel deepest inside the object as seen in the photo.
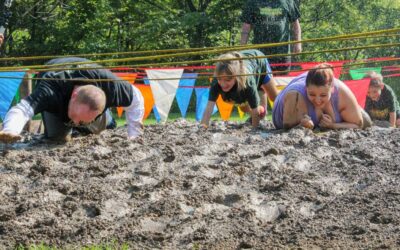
(53, 94)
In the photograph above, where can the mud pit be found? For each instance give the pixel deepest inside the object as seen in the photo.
(229, 187)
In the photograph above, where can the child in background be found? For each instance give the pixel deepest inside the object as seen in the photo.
(381, 103)
(246, 82)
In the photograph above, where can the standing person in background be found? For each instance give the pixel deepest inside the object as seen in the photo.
(1, 39)
(272, 22)
(242, 80)
(381, 103)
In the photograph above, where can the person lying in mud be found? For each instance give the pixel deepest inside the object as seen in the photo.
(316, 98)
(381, 103)
(246, 82)
(76, 98)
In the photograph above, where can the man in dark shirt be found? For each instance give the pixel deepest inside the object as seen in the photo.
(75, 98)
(271, 22)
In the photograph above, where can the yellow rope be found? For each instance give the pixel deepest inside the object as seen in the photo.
(198, 77)
(235, 47)
(54, 68)
(214, 51)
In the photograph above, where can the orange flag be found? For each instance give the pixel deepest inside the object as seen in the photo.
(148, 98)
(130, 77)
(224, 108)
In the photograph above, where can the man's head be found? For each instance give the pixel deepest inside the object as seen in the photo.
(86, 103)
(375, 85)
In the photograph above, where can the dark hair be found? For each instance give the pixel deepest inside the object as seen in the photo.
(320, 75)
(376, 79)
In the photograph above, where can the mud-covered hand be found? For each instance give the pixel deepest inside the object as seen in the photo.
(262, 111)
(307, 122)
(326, 122)
(202, 127)
(6, 137)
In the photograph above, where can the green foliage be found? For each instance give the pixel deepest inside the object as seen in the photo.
(93, 26)
(113, 245)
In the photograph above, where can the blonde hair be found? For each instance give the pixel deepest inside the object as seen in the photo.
(92, 96)
(376, 79)
(234, 68)
(320, 75)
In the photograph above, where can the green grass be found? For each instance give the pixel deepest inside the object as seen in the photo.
(113, 245)
(191, 117)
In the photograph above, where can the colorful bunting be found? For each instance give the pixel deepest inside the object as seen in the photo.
(130, 77)
(240, 112)
(148, 98)
(164, 91)
(337, 68)
(360, 89)
(357, 74)
(9, 84)
(201, 101)
(183, 95)
(224, 108)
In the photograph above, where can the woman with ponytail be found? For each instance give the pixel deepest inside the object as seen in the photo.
(317, 99)
(245, 79)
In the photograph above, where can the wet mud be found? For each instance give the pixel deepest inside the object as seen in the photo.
(228, 187)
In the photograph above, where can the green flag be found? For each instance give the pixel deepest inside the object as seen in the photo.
(357, 74)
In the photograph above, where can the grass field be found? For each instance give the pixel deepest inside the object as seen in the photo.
(190, 117)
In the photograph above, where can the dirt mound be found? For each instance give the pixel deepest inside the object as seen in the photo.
(185, 188)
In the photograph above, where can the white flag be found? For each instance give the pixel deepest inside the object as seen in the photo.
(164, 91)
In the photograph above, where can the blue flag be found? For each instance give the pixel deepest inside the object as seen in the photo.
(8, 88)
(183, 95)
(201, 102)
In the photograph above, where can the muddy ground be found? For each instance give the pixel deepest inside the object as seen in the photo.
(226, 188)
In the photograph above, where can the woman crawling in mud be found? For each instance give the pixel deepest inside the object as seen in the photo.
(245, 82)
(317, 99)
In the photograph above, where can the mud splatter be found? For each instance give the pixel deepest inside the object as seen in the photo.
(185, 188)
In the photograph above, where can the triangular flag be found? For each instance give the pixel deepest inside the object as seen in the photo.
(201, 101)
(148, 98)
(357, 74)
(224, 108)
(120, 111)
(240, 112)
(337, 68)
(130, 77)
(360, 89)
(154, 108)
(164, 90)
(9, 84)
(156, 114)
(184, 92)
